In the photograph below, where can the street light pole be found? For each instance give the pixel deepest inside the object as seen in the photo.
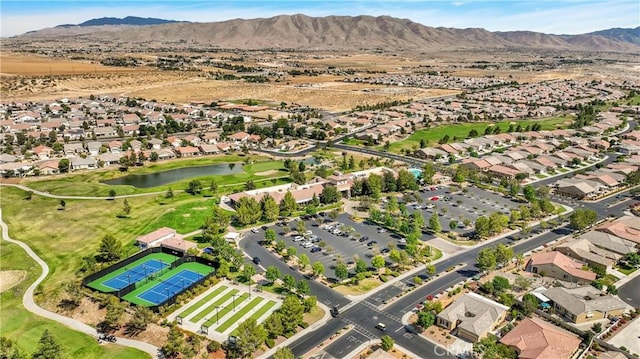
(217, 314)
(234, 302)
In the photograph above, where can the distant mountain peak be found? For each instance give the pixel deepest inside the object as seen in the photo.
(129, 20)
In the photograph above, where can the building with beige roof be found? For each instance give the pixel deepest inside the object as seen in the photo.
(584, 304)
(533, 338)
(627, 227)
(472, 316)
(559, 266)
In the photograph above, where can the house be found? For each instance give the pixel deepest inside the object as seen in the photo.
(533, 338)
(209, 149)
(155, 143)
(109, 158)
(559, 266)
(476, 164)
(43, 152)
(102, 132)
(154, 238)
(176, 243)
(94, 147)
(79, 163)
(584, 250)
(72, 149)
(48, 167)
(578, 188)
(472, 316)
(188, 151)
(584, 304)
(430, 153)
(610, 242)
(7, 158)
(499, 171)
(627, 227)
(115, 146)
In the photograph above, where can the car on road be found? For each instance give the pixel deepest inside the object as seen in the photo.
(256, 260)
(315, 249)
(381, 326)
(334, 312)
(264, 228)
(254, 230)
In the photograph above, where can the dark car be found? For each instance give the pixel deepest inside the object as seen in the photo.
(334, 312)
(315, 249)
(385, 250)
(370, 244)
(256, 260)
(362, 239)
(264, 228)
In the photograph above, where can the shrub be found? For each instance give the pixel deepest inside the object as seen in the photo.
(383, 278)
(270, 342)
(304, 325)
(213, 346)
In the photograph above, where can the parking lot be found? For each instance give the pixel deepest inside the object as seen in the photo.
(459, 206)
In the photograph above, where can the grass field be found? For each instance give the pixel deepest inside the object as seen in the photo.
(225, 310)
(192, 266)
(259, 313)
(98, 284)
(239, 314)
(433, 135)
(203, 301)
(20, 325)
(185, 218)
(88, 183)
(209, 309)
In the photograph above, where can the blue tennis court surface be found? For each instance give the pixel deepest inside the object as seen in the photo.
(135, 274)
(170, 286)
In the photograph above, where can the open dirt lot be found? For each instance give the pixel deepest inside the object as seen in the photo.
(11, 278)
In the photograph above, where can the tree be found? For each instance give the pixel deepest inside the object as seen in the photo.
(611, 289)
(426, 319)
(500, 284)
(453, 225)
(497, 222)
(633, 259)
(386, 342)
(293, 311)
(482, 226)
(270, 208)
(273, 325)
(373, 186)
(522, 283)
(63, 204)
(48, 347)
(529, 304)
(169, 194)
(486, 259)
(288, 204)
(428, 171)
(270, 235)
(250, 335)
(283, 353)
(112, 193)
(361, 266)
(341, 271)
(318, 268)
(126, 208)
(110, 249)
(195, 187)
(304, 261)
(301, 227)
(582, 218)
(377, 261)
(273, 273)
(434, 223)
(213, 186)
(289, 281)
(302, 287)
(431, 269)
(248, 271)
(596, 328)
(141, 318)
(329, 194)
(217, 223)
(64, 165)
(10, 350)
(529, 193)
(503, 254)
(248, 211)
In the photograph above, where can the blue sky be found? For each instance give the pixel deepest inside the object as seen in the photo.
(549, 16)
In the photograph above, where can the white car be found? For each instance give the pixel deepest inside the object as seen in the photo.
(312, 237)
(298, 238)
(308, 233)
(381, 230)
(307, 245)
(402, 241)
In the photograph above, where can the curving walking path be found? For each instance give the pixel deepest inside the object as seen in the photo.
(30, 305)
(47, 194)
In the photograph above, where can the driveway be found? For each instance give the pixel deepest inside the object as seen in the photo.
(628, 337)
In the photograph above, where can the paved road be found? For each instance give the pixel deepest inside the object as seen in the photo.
(630, 292)
(30, 305)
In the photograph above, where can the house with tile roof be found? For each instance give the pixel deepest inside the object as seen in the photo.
(585, 304)
(627, 227)
(533, 338)
(559, 266)
(472, 316)
(584, 250)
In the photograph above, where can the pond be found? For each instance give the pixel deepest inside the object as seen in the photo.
(165, 177)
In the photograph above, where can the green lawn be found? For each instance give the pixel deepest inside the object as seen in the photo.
(212, 307)
(203, 301)
(239, 314)
(184, 218)
(260, 312)
(98, 284)
(20, 325)
(433, 135)
(626, 271)
(220, 313)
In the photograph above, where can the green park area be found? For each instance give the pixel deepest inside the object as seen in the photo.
(26, 328)
(461, 131)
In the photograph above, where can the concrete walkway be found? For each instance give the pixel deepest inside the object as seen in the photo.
(47, 194)
(30, 305)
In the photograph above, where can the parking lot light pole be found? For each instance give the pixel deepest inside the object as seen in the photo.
(234, 302)
(217, 314)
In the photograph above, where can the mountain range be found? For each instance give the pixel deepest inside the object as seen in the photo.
(129, 20)
(335, 32)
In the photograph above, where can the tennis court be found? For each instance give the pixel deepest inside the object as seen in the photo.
(136, 273)
(169, 287)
